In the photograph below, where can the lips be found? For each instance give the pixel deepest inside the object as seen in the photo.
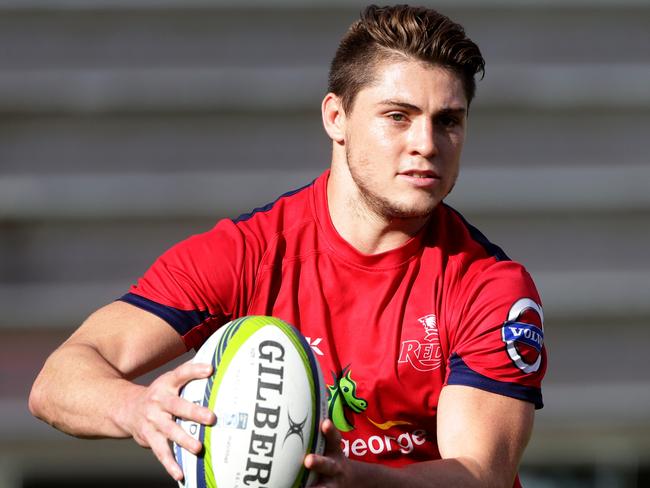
(420, 178)
(418, 173)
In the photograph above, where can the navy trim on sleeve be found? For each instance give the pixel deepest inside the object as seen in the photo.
(461, 374)
(181, 320)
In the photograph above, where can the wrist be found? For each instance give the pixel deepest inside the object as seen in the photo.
(371, 475)
(121, 416)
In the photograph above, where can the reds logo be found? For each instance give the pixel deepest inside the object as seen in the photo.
(425, 355)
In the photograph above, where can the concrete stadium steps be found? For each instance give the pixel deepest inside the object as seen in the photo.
(33, 144)
(206, 89)
(127, 125)
(577, 296)
(161, 33)
(485, 190)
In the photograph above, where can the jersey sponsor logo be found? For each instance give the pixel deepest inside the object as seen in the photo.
(425, 355)
(523, 334)
(344, 403)
(388, 424)
(405, 443)
(342, 399)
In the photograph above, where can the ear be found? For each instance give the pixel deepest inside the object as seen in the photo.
(333, 117)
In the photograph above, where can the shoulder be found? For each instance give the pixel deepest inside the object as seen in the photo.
(477, 269)
(493, 315)
(261, 223)
(463, 240)
(470, 251)
(282, 228)
(277, 216)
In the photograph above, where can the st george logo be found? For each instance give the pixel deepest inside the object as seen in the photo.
(343, 396)
(424, 355)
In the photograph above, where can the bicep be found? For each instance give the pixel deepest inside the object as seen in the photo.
(488, 429)
(131, 340)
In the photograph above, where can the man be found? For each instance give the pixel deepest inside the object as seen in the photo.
(438, 330)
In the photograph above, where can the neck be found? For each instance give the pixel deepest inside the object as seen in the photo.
(362, 227)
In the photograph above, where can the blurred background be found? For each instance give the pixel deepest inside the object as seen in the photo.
(127, 125)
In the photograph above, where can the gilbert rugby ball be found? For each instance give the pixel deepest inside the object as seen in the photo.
(268, 394)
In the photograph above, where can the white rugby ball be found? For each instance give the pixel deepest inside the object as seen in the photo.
(268, 394)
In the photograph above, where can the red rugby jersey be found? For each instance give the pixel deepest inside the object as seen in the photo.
(390, 330)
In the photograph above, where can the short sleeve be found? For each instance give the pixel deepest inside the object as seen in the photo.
(197, 285)
(498, 341)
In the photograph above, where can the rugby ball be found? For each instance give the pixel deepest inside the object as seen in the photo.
(268, 394)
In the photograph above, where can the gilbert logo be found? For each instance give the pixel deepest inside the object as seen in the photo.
(424, 355)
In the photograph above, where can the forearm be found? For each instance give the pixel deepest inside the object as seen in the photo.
(81, 394)
(483, 459)
(447, 473)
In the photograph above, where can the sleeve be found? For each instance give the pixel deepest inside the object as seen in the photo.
(498, 343)
(198, 284)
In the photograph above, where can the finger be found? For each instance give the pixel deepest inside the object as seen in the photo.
(189, 371)
(184, 409)
(332, 437)
(322, 465)
(174, 432)
(324, 484)
(162, 451)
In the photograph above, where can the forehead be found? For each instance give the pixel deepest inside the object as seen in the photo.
(424, 85)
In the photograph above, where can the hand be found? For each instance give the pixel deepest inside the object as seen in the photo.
(333, 468)
(150, 415)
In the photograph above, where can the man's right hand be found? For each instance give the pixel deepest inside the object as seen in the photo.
(85, 387)
(149, 415)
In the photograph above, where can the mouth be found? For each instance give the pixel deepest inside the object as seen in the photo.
(420, 174)
(419, 178)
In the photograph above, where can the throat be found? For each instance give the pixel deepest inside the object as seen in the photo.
(371, 233)
(367, 225)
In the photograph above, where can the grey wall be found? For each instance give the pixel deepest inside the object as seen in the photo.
(125, 126)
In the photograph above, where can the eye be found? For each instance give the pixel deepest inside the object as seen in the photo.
(397, 117)
(448, 121)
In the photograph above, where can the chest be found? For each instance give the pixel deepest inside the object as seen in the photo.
(377, 334)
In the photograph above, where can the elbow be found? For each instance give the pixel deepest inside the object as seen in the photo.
(487, 476)
(35, 402)
(37, 399)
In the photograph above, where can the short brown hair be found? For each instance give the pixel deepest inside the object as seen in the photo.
(398, 32)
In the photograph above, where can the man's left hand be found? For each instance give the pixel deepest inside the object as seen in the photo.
(333, 468)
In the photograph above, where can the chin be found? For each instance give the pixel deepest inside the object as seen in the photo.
(397, 211)
(402, 214)
(401, 205)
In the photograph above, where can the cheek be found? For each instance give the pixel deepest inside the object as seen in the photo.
(457, 139)
(372, 146)
(378, 133)
(451, 147)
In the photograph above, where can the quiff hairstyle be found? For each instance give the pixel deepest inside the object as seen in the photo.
(401, 33)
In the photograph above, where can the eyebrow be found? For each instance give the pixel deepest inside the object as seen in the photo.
(415, 108)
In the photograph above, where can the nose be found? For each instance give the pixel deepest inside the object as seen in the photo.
(422, 138)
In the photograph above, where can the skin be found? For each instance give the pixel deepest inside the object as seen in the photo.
(395, 157)
(411, 121)
(85, 387)
(396, 154)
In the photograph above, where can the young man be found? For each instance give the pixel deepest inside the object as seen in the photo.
(441, 333)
